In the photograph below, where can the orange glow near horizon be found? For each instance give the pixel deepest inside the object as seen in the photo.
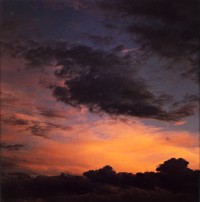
(77, 141)
(130, 148)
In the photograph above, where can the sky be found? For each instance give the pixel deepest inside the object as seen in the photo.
(86, 84)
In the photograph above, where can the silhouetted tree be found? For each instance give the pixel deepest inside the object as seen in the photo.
(103, 175)
(146, 180)
(173, 166)
(174, 175)
(125, 180)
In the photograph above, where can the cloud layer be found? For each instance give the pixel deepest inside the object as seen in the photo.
(167, 28)
(102, 81)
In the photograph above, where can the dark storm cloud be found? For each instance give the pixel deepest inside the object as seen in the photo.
(160, 21)
(107, 82)
(102, 97)
(103, 81)
(165, 27)
(14, 147)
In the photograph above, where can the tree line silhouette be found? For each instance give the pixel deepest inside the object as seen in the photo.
(173, 175)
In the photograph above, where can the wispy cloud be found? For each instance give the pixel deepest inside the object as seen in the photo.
(109, 142)
(14, 147)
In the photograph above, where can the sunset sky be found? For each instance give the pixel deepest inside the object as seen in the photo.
(89, 83)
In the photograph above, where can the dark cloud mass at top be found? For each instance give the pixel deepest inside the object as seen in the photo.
(106, 80)
(170, 27)
(165, 27)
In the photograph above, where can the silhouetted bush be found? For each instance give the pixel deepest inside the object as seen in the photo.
(181, 184)
(175, 176)
(103, 175)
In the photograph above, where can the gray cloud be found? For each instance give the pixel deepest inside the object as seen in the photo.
(103, 81)
(107, 82)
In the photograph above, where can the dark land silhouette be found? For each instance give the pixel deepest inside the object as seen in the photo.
(173, 181)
